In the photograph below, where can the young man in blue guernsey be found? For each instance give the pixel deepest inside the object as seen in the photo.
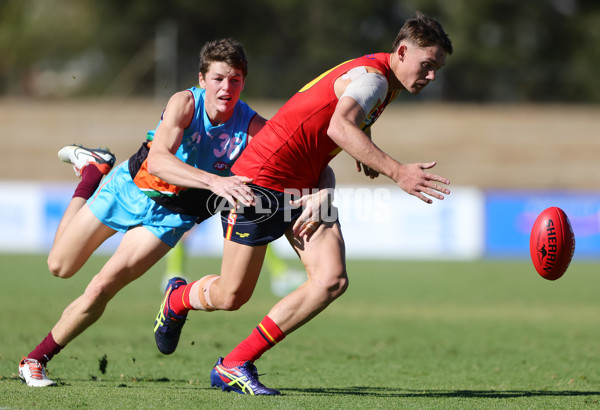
(154, 197)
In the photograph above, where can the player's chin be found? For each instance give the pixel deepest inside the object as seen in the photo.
(226, 106)
(417, 88)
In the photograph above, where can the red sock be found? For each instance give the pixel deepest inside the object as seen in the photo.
(90, 179)
(264, 336)
(46, 350)
(179, 301)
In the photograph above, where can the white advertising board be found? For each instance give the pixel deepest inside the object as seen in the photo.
(378, 221)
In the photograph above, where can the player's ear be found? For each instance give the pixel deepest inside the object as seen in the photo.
(401, 52)
(201, 80)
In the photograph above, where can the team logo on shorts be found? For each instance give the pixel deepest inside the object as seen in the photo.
(231, 218)
(266, 204)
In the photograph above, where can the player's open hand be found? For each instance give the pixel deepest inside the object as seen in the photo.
(234, 189)
(314, 207)
(370, 172)
(415, 180)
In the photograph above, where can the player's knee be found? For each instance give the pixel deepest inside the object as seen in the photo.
(98, 293)
(233, 301)
(332, 286)
(59, 268)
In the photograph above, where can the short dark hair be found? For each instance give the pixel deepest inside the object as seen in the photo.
(224, 50)
(424, 32)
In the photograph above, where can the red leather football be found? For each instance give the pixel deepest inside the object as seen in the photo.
(552, 243)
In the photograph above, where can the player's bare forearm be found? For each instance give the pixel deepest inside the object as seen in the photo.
(163, 164)
(171, 169)
(162, 161)
(412, 178)
(346, 134)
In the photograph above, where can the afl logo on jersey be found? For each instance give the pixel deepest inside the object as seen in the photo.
(220, 166)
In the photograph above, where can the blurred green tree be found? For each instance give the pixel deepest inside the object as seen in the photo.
(505, 50)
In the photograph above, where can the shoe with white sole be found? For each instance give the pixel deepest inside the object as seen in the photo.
(33, 373)
(80, 157)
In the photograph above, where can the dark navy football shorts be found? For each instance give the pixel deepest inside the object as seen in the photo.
(262, 223)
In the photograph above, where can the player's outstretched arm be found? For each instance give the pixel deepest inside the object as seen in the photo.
(412, 178)
(163, 163)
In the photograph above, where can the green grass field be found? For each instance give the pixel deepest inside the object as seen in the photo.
(487, 334)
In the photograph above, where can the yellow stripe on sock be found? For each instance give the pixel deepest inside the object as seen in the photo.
(183, 296)
(267, 333)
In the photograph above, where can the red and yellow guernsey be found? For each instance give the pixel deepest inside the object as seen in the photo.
(292, 150)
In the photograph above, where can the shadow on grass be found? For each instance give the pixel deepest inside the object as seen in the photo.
(363, 391)
(404, 393)
(119, 382)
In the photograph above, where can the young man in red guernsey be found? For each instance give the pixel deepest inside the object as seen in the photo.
(334, 112)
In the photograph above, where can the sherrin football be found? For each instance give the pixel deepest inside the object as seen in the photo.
(552, 243)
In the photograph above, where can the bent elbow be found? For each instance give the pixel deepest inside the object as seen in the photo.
(151, 168)
(334, 131)
(153, 165)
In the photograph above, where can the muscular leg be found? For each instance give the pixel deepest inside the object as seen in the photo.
(137, 252)
(323, 256)
(324, 259)
(78, 236)
(240, 270)
(74, 206)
